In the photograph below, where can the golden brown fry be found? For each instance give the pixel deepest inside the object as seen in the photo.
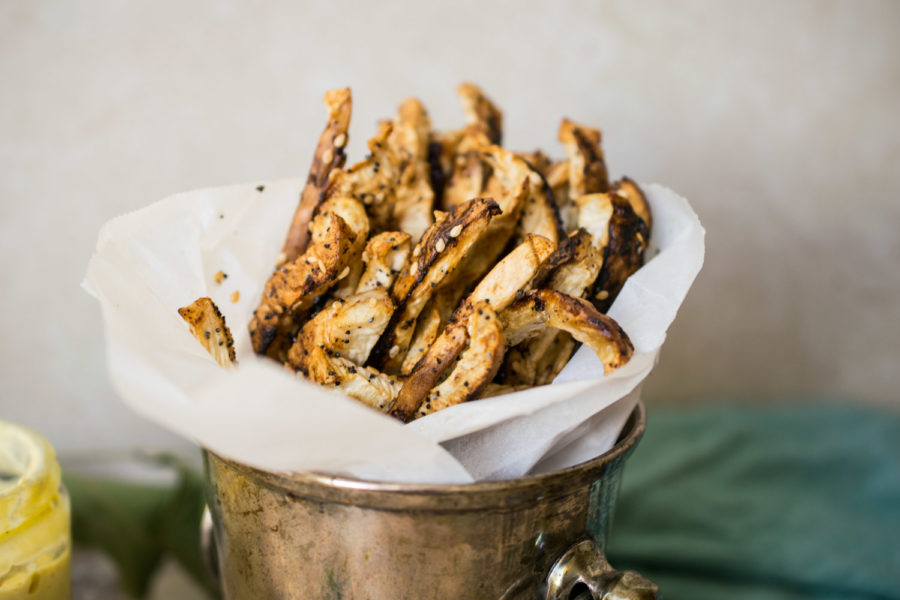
(539, 212)
(557, 176)
(510, 178)
(370, 386)
(428, 326)
(538, 309)
(354, 215)
(481, 114)
(345, 328)
(630, 190)
(414, 198)
(587, 167)
(333, 345)
(509, 279)
(372, 180)
(576, 263)
(208, 326)
(384, 257)
(329, 156)
(436, 255)
(475, 367)
(294, 287)
(467, 179)
(573, 269)
(623, 253)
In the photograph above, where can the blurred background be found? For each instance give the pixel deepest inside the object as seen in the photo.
(777, 120)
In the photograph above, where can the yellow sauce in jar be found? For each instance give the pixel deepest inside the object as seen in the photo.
(35, 538)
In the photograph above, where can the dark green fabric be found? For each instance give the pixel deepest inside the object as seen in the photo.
(764, 503)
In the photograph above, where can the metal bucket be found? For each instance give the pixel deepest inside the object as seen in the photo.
(310, 535)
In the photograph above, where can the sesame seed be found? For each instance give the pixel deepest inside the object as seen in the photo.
(394, 351)
(602, 295)
(416, 251)
(457, 229)
(339, 140)
(327, 155)
(440, 245)
(344, 273)
(414, 269)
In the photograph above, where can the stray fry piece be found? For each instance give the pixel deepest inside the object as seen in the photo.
(329, 156)
(208, 326)
(537, 309)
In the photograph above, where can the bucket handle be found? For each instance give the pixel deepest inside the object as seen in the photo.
(584, 566)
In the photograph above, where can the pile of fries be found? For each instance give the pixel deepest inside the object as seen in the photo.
(444, 268)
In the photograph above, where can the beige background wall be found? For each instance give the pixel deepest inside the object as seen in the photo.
(779, 120)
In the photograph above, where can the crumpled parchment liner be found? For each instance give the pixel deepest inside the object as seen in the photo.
(151, 262)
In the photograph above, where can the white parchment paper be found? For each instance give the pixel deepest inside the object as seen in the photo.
(151, 262)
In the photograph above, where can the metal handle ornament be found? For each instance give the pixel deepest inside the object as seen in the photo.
(583, 568)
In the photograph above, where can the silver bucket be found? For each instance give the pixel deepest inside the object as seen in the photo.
(310, 535)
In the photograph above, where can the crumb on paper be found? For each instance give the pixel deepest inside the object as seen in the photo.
(260, 188)
(220, 276)
(235, 296)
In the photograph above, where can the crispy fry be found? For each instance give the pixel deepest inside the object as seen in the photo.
(510, 179)
(354, 215)
(345, 328)
(329, 156)
(537, 309)
(475, 367)
(428, 326)
(414, 197)
(540, 214)
(576, 263)
(294, 287)
(509, 279)
(384, 256)
(436, 255)
(623, 253)
(587, 167)
(574, 267)
(481, 114)
(208, 326)
(635, 196)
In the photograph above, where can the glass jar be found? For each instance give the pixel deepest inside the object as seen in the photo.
(35, 538)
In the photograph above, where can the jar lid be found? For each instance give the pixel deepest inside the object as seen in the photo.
(29, 474)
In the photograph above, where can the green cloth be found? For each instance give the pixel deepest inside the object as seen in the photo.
(764, 503)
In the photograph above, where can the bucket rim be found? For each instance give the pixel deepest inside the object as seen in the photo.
(404, 496)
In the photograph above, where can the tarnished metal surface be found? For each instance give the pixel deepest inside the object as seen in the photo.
(315, 536)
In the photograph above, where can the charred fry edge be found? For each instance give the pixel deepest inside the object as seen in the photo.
(329, 155)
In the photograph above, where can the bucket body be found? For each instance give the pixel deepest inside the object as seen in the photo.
(310, 535)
